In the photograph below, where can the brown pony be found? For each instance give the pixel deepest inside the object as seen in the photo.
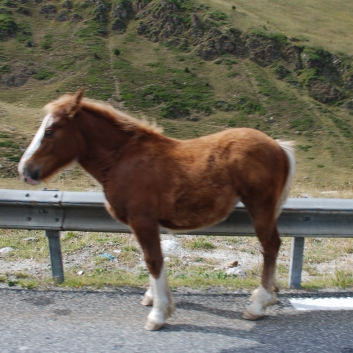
(152, 181)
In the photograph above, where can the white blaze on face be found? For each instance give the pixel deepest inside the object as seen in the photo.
(32, 148)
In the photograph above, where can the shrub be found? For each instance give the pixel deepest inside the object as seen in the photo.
(5, 69)
(198, 244)
(232, 123)
(305, 148)
(343, 279)
(24, 32)
(8, 26)
(277, 37)
(44, 74)
(248, 106)
(23, 11)
(47, 42)
(174, 110)
(218, 16)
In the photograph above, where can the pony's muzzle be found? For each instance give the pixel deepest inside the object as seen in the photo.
(31, 177)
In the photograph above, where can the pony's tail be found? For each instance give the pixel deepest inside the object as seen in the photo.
(288, 148)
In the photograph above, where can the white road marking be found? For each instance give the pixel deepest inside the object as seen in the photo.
(322, 303)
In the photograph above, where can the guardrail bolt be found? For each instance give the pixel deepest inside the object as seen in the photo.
(29, 218)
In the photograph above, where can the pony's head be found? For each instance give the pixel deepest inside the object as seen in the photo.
(56, 143)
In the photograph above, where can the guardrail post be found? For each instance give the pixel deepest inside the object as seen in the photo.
(296, 262)
(55, 255)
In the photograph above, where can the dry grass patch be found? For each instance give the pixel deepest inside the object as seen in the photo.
(323, 23)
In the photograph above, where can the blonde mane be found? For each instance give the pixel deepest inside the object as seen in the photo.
(66, 104)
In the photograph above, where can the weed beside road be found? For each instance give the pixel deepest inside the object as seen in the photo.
(195, 261)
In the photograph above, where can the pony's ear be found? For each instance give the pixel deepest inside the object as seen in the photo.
(79, 95)
(76, 100)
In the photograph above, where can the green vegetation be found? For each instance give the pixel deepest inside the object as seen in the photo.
(344, 127)
(277, 37)
(198, 244)
(184, 5)
(248, 106)
(46, 42)
(303, 124)
(343, 279)
(305, 148)
(317, 54)
(218, 15)
(8, 26)
(44, 74)
(23, 11)
(24, 32)
(8, 143)
(176, 91)
(5, 69)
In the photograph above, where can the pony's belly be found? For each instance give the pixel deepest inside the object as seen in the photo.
(199, 219)
(185, 226)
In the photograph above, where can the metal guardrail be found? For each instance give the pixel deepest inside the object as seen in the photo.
(55, 211)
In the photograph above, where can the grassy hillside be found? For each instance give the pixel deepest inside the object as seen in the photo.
(196, 67)
(319, 23)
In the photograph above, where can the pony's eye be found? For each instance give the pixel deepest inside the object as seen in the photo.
(49, 133)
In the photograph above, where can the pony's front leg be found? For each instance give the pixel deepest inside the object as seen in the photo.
(163, 302)
(158, 293)
(260, 299)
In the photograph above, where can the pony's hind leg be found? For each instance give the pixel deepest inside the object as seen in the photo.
(265, 295)
(158, 293)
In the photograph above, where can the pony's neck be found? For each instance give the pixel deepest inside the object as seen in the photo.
(104, 143)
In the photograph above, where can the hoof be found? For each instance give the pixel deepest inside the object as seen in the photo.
(153, 326)
(147, 301)
(248, 315)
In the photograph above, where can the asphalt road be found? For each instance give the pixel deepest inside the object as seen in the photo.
(104, 322)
